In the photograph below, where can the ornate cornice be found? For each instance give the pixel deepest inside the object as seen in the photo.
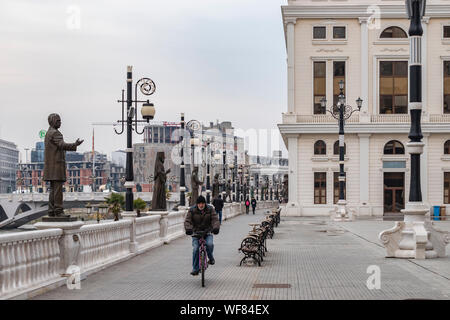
(358, 11)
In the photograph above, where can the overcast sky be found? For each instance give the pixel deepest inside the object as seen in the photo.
(212, 59)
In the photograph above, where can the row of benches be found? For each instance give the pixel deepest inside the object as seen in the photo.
(254, 245)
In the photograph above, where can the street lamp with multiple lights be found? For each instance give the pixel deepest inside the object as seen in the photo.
(341, 112)
(147, 87)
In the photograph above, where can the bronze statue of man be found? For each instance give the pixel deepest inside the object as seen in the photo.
(159, 188)
(55, 164)
(195, 184)
(216, 186)
(228, 190)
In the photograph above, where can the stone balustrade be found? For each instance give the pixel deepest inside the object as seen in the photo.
(29, 259)
(34, 261)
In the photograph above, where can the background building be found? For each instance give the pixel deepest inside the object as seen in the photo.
(80, 173)
(9, 158)
(365, 44)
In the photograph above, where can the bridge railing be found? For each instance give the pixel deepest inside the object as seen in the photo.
(29, 259)
(33, 260)
(103, 243)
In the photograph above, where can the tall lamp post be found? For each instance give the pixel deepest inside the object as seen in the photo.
(182, 175)
(341, 112)
(415, 237)
(147, 87)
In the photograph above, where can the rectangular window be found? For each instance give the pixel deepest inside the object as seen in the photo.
(338, 75)
(446, 31)
(393, 87)
(339, 33)
(446, 86)
(319, 86)
(320, 187)
(446, 187)
(319, 33)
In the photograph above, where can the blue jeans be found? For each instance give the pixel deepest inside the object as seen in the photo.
(219, 212)
(196, 247)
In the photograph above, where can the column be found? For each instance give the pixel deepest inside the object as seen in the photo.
(364, 115)
(364, 156)
(290, 47)
(293, 175)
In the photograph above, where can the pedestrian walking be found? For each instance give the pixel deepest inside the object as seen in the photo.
(247, 206)
(253, 205)
(218, 206)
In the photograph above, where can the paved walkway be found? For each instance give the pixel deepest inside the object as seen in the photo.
(318, 258)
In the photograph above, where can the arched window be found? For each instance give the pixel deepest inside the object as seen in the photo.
(320, 147)
(447, 147)
(393, 32)
(336, 148)
(394, 147)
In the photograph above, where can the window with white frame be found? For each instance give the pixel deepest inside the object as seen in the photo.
(319, 32)
(320, 84)
(339, 32)
(338, 75)
(446, 87)
(393, 93)
(446, 32)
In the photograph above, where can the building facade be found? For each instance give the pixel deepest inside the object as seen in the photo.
(165, 137)
(365, 44)
(9, 158)
(80, 174)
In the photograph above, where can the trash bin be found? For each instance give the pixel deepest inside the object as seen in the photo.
(436, 212)
(442, 212)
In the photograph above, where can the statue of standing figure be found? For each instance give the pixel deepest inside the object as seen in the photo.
(55, 164)
(195, 184)
(159, 202)
(216, 186)
(285, 191)
(228, 190)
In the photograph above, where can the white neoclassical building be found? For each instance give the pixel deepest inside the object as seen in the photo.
(365, 44)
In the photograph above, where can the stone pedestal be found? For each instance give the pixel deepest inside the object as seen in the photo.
(69, 244)
(131, 215)
(341, 213)
(416, 237)
(163, 225)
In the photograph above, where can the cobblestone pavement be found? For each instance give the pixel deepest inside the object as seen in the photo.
(319, 259)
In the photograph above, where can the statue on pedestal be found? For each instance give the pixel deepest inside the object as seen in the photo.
(159, 190)
(228, 190)
(195, 184)
(285, 191)
(55, 165)
(216, 186)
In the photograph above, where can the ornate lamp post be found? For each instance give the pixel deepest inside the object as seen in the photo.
(341, 112)
(208, 173)
(182, 175)
(147, 87)
(415, 237)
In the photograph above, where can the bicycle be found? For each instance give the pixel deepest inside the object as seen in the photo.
(202, 254)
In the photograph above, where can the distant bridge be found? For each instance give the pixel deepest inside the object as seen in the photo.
(21, 208)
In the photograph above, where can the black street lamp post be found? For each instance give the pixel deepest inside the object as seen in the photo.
(341, 112)
(147, 87)
(182, 166)
(415, 237)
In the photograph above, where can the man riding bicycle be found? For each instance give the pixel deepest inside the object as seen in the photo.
(201, 218)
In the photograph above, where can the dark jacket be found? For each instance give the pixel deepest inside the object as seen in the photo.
(205, 220)
(218, 204)
(253, 202)
(55, 155)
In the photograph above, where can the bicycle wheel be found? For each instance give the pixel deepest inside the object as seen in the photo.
(202, 266)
